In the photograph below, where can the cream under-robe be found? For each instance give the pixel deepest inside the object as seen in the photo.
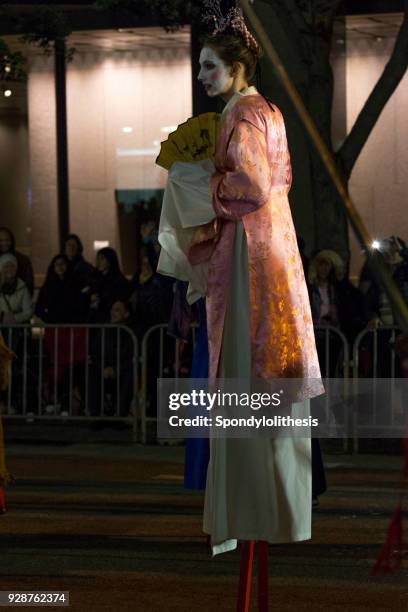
(257, 488)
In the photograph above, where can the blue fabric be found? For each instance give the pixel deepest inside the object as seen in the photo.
(197, 450)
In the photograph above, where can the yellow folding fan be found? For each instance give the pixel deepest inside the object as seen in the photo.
(193, 140)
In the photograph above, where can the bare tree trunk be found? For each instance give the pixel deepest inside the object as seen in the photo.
(330, 217)
(284, 34)
(382, 92)
(308, 26)
(306, 32)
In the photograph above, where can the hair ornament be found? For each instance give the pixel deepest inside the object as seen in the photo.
(233, 20)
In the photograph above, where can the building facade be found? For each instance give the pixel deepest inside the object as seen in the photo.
(126, 90)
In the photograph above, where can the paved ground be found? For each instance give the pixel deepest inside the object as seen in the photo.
(112, 524)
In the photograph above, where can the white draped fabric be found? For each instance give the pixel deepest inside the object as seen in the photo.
(186, 205)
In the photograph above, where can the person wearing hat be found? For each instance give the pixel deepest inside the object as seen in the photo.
(16, 305)
(24, 265)
(334, 300)
(325, 268)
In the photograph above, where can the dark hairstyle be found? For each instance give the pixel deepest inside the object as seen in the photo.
(148, 250)
(111, 256)
(51, 274)
(11, 236)
(232, 48)
(77, 240)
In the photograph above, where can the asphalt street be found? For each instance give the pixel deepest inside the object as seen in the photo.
(112, 524)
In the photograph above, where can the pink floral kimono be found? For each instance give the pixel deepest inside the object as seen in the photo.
(258, 318)
(251, 186)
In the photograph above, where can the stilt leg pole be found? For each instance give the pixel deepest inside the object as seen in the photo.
(245, 578)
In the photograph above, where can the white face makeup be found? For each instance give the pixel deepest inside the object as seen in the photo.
(214, 73)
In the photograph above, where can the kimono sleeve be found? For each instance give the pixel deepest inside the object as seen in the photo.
(245, 184)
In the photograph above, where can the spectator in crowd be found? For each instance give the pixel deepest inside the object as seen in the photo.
(182, 317)
(149, 235)
(152, 293)
(112, 361)
(108, 286)
(57, 300)
(401, 271)
(78, 267)
(16, 305)
(24, 266)
(80, 274)
(151, 302)
(378, 311)
(334, 301)
(377, 307)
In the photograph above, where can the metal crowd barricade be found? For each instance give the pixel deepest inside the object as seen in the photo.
(373, 353)
(160, 358)
(162, 363)
(342, 370)
(64, 371)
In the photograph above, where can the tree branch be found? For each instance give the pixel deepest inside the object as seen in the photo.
(383, 90)
(283, 33)
(325, 11)
(296, 14)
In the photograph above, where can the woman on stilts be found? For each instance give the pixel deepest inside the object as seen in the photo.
(259, 322)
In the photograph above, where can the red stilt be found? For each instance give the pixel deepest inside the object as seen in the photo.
(245, 578)
(2, 500)
(391, 554)
(263, 576)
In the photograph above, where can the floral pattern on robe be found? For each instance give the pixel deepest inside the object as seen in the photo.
(251, 185)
